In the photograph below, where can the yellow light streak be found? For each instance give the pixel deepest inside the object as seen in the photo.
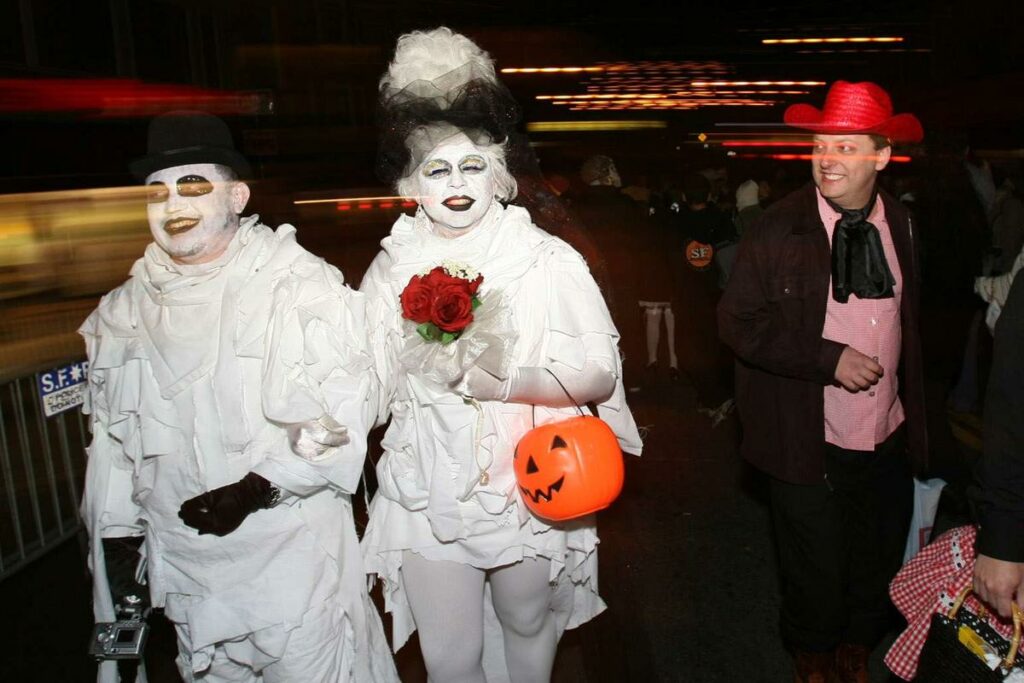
(813, 41)
(552, 69)
(590, 126)
(719, 84)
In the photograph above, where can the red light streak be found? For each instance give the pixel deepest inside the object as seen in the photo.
(344, 207)
(364, 206)
(386, 205)
(117, 97)
(808, 157)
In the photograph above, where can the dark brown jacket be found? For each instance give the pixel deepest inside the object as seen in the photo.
(772, 315)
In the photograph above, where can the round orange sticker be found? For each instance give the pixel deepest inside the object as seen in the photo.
(699, 255)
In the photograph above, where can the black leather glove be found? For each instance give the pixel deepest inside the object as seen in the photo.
(121, 557)
(223, 509)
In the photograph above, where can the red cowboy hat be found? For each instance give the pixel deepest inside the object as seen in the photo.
(856, 108)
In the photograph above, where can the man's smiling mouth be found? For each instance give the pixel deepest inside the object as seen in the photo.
(176, 226)
(461, 203)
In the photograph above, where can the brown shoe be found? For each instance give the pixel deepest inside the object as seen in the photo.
(814, 667)
(852, 663)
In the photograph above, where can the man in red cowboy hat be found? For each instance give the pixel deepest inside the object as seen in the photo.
(822, 312)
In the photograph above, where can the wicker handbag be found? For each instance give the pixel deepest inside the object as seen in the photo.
(951, 653)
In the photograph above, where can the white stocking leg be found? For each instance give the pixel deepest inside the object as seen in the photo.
(522, 600)
(670, 337)
(652, 317)
(447, 602)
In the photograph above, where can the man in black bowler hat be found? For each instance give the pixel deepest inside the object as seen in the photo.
(229, 396)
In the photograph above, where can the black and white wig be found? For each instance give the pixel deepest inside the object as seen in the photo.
(439, 84)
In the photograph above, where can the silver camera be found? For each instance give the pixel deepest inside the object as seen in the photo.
(119, 640)
(124, 638)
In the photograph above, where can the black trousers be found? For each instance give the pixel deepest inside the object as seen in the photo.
(840, 542)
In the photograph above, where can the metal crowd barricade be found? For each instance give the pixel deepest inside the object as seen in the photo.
(42, 470)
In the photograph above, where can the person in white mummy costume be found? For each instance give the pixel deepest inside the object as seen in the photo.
(230, 394)
(489, 587)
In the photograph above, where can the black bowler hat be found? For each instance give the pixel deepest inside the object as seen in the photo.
(179, 138)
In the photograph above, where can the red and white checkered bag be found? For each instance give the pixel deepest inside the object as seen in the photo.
(930, 582)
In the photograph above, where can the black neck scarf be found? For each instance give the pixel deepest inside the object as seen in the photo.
(858, 260)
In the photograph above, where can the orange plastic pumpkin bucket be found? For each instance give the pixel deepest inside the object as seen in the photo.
(569, 469)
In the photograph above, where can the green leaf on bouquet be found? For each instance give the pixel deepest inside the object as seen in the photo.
(429, 331)
(449, 337)
(476, 303)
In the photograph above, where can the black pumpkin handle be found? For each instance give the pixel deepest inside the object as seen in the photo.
(590, 404)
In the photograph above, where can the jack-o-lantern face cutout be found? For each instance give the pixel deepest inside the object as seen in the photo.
(569, 469)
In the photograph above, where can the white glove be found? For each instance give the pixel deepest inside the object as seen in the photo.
(536, 385)
(312, 440)
(479, 384)
(593, 382)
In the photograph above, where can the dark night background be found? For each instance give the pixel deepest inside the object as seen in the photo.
(686, 558)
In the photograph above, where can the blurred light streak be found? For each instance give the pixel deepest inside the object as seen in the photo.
(811, 41)
(119, 97)
(79, 242)
(754, 92)
(564, 126)
(766, 143)
(715, 84)
(863, 51)
(553, 69)
(641, 104)
(597, 97)
(348, 199)
(807, 157)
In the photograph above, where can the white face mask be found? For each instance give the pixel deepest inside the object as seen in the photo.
(193, 211)
(455, 184)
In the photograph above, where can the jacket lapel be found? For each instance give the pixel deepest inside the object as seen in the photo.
(899, 228)
(808, 219)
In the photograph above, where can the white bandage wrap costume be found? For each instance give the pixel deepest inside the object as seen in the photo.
(432, 498)
(195, 370)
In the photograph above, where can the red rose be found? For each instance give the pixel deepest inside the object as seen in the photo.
(453, 308)
(474, 285)
(437, 277)
(416, 299)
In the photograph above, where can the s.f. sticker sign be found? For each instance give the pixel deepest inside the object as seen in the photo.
(699, 255)
(63, 388)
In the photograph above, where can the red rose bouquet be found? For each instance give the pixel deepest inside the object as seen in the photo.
(449, 328)
(441, 301)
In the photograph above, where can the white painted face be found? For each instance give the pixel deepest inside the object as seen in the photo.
(844, 168)
(193, 211)
(455, 184)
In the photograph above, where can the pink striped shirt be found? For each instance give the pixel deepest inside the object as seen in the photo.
(859, 421)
